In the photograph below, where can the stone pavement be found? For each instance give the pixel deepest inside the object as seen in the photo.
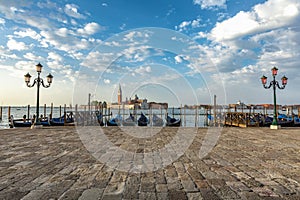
(53, 163)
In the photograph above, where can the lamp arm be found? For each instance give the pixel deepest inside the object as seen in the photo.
(33, 84)
(280, 87)
(267, 87)
(45, 86)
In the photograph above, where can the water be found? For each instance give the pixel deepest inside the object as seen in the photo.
(19, 111)
(188, 117)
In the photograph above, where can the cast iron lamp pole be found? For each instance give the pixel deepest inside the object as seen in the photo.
(275, 84)
(39, 81)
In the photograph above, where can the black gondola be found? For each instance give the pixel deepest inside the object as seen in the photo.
(100, 118)
(60, 121)
(173, 122)
(129, 121)
(143, 120)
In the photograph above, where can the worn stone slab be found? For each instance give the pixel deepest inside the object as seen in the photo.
(53, 163)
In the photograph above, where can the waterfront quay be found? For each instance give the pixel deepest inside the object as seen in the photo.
(54, 163)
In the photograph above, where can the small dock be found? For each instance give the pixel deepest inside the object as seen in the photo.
(241, 119)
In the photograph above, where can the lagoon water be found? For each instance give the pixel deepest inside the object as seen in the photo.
(188, 120)
(187, 115)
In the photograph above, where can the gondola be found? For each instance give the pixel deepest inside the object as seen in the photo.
(116, 121)
(129, 121)
(173, 122)
(60, 121)
(282, 120)
(143, 120)
(157, 121)
(296, 121)
(20, 123)
(100, 118)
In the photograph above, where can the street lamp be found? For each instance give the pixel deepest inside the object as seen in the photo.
(39, 81)
(275, 84)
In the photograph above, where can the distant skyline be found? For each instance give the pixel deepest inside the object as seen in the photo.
(175, 51)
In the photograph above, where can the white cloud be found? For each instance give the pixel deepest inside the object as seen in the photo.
(98, 61)
(209, 4)
(2, 21)
(89, 29)
(28, 33)
(72, 11)
(31, 56)
(269, 15)
(178, 59)
(185, 25)
(14, 45)
(143, 70)
(63, 32)
(69, 44)
(4, 54)
(133, 36)
(106, 81)
(54, 56)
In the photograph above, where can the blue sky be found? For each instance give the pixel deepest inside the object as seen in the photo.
(181, 52)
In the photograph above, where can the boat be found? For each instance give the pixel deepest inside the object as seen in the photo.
(285, 121)
(282, 120)
(129, 121)
(143, 120)
(19, 122)
(60, 121)
(157, 121)
(173, 121)
(100, 118)
(296, 121)
(116, 121)
(45, 121)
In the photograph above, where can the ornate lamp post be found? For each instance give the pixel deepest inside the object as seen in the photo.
(275, 84)
(39, 81)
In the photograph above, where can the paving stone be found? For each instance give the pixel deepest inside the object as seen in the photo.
(53, 163)
(265, 192)
(91, 194)
(209, 194)
(161, 188)
(147, 195)
(162, 195)
(194, 196)
(177, 195)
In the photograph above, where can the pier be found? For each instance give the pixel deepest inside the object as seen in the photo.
(52, 163)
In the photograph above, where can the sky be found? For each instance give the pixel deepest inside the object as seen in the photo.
(175, 51)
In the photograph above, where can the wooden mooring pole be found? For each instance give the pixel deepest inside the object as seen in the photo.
(215, 110)
(1, 113)
(28, 111)
(51, 111)
(8, 113)
(45, 106)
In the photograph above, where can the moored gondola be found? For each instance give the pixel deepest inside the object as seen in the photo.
(157, 121)
(173, 122)
(143, 120)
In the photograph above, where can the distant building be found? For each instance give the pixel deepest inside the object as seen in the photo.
(135, 103)
(120, 95)
(155, 105)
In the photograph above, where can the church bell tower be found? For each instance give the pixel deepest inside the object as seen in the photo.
(120, 95)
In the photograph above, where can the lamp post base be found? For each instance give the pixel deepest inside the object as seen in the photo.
(275, 127)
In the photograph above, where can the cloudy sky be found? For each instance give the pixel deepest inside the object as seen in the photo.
(176, 51)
